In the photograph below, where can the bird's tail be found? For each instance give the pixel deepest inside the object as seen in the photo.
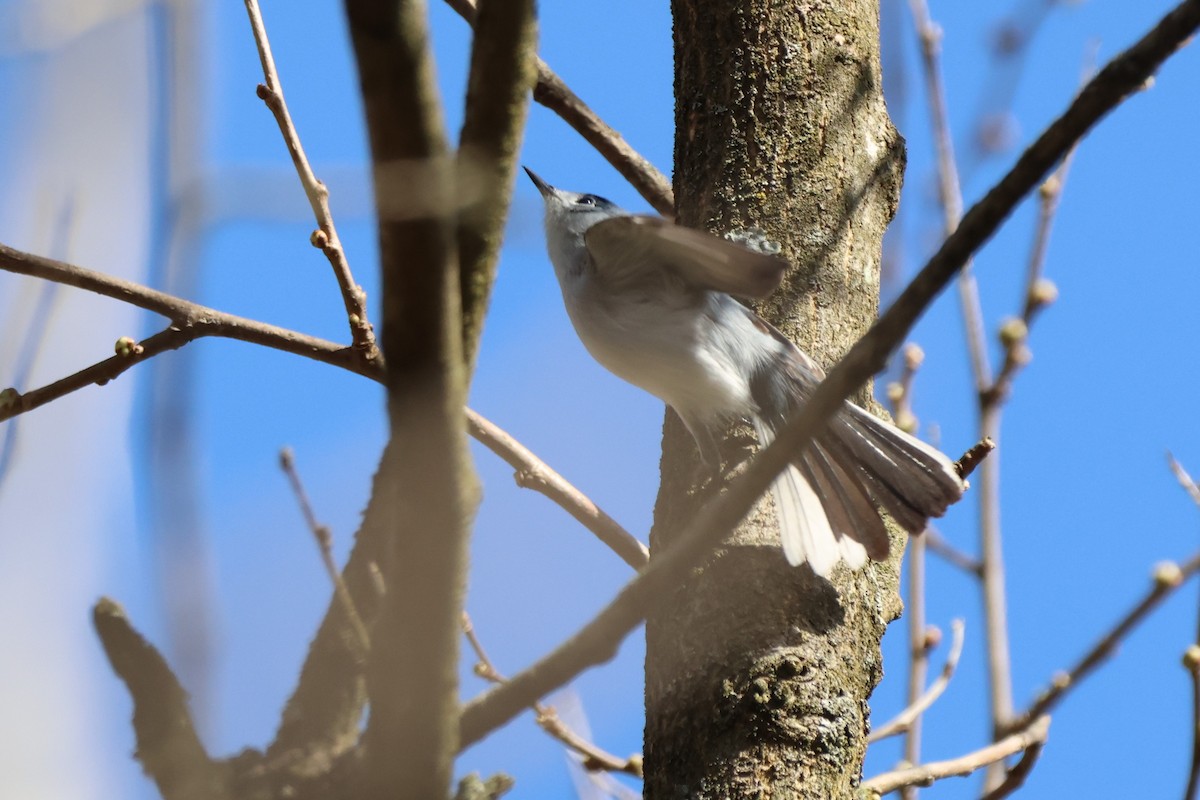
(829, 499)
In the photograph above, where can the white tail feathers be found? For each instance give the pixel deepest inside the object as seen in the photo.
(803, 525)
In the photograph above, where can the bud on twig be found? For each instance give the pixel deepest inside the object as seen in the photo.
(1167, 575)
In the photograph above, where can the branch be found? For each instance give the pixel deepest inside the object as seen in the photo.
(1033, 736)
(548, 720)
(1014, 777)
(194, 321)
(324, 540)
(533, 473)
(1191, 662)
(903, 722)
(190, 321)
(1038, 293)
(321, 718)
(502, 73)
(167, 743)
(555, 95)
(1168, 577)
(919, 634)
(325, 238)
(970, 460)
(991, 572)
(949, 191)
(949, 553)
(598, 640)
(426, 490)
(1185, 480)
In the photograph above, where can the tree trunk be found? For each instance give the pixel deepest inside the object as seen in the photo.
(757, 673)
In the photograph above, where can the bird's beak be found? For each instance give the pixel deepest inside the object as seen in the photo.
(543, 187)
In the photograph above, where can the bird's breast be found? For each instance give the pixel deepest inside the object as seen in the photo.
(693, 352)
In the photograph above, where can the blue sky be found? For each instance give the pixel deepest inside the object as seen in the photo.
(1089, 505)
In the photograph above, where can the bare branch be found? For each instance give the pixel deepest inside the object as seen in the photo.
(594, 758)
(533, 473)
(324, 540)
(325, 238)
(1014, 777)
(1185, 480)
(191, 321)
(927, 774)
(194, 321)
(502, 73)
(899, 393)
(970, 460)
(1037, 294)
(947, 552)
(597, 641)
(1191, 662)
(167, 743)
(903, 721)
(319, 718)
(949, 191)
(919, 634)
(991, 571)
(1168, 577)
(555, 95)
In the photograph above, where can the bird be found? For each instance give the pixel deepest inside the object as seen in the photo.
(656, 304)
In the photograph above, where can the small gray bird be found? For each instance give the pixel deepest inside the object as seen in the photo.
(654, 303)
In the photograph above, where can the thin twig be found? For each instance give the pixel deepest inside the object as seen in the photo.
(899, 393)
(555, 95)
(919, 637)
(13, 403)
(1185, 480)
(925, 774)
(991, 563)
(1038, 292)
(949, 190)
(533, 473)
(1014, 776)
(970, 460)
(325, 237)
(1191, 662)
(324, 539)
(949, 553)
(190, 321)
(194, 321)
(905, 720)
(1168, 577)
(598, 640)
(594, 758)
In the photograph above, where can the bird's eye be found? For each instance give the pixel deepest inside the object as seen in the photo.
(587, 200)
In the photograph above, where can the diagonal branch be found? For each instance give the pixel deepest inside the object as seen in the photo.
(555, 95)
(326, 237)
(905, 720)
(594, 758)
(597, 641)
(190, 321)
(1023, 740)
(533, 473)
(167, 743)
(1167, 578)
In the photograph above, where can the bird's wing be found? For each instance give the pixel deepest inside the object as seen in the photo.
(622, 249)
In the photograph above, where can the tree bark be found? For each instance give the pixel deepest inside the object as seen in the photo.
(757, 673)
